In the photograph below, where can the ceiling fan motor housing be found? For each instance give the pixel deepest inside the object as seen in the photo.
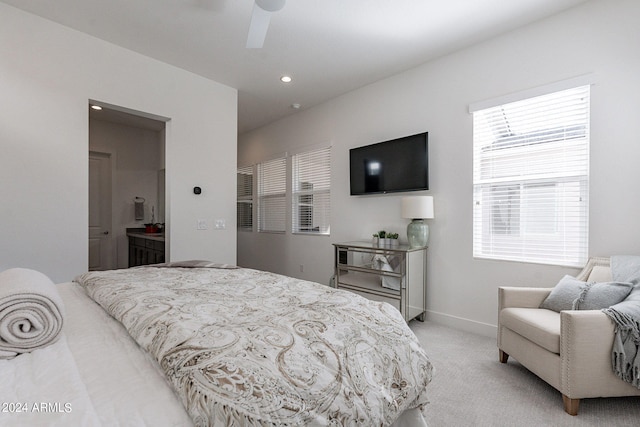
(271, 5)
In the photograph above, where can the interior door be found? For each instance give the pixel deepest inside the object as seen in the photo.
(100, 236)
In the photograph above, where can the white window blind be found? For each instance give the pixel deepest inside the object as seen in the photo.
(531, 179)
(272, 186)
(311, 191)
(244, 203)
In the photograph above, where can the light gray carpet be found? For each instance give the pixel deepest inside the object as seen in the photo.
(472, 388)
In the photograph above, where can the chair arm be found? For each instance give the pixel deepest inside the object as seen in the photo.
(583, 331)
(509, 296)
(586, 339)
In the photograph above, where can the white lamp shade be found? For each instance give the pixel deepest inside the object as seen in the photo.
(417, 207)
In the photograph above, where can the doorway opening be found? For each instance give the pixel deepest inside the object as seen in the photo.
(126, 166)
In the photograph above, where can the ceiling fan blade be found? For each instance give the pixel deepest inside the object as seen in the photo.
(260, 17)
(258, 27)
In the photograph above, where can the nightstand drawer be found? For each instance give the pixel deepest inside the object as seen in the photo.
(396, 275)
(374, 297)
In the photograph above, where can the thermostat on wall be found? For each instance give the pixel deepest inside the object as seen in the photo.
(197, 190)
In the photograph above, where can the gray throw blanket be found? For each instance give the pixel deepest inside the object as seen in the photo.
(626, 315)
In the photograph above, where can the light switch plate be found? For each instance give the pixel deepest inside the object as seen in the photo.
(202, 224)
(221, 224)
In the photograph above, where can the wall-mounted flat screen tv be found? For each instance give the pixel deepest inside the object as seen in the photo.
(400, 164)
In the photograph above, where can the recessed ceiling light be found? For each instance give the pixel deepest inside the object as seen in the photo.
(295, 106)
(96, 107)
(285, 79)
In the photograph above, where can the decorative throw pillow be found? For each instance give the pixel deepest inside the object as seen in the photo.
(563, 294)
(573, 294)
(596, 296)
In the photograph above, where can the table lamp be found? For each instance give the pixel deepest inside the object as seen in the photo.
(417, 208)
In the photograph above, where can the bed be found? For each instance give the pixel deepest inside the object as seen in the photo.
(198, 343)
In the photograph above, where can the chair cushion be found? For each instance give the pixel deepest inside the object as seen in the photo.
(600, 273)
(538, 325)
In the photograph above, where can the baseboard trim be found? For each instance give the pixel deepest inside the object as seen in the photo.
(461, 323)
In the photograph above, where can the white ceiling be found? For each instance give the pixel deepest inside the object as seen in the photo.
(329, 47)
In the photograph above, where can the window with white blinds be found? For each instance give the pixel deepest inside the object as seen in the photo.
(311, 191)
(531, 179)
(244, 203)
(272, 196)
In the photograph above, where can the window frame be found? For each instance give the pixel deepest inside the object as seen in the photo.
(514, 242)
(291, 193)
(244, 197)
(272, 191)
(321, 159)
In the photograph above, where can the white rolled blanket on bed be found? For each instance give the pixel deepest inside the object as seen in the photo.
(31, 312)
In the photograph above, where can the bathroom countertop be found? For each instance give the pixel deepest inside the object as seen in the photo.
(141, 234)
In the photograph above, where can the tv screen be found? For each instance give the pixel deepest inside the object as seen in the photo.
(391, 166)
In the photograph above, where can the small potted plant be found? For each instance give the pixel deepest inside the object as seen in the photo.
(382, 238)
(393, 239)
(375, 239)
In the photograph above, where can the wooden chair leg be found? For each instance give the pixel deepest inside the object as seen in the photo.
(503, 356)
(570, 405)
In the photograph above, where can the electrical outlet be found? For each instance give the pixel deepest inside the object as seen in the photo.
(301, 268)
(202, 224)
(221, 224)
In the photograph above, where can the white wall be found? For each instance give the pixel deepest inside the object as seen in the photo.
(599, 37)
(48, 74)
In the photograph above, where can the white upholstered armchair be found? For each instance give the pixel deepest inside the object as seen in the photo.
(570, 350)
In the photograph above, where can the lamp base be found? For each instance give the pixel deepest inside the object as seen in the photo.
(418, 233)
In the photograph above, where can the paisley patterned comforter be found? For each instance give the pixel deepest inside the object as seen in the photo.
(248, 348)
